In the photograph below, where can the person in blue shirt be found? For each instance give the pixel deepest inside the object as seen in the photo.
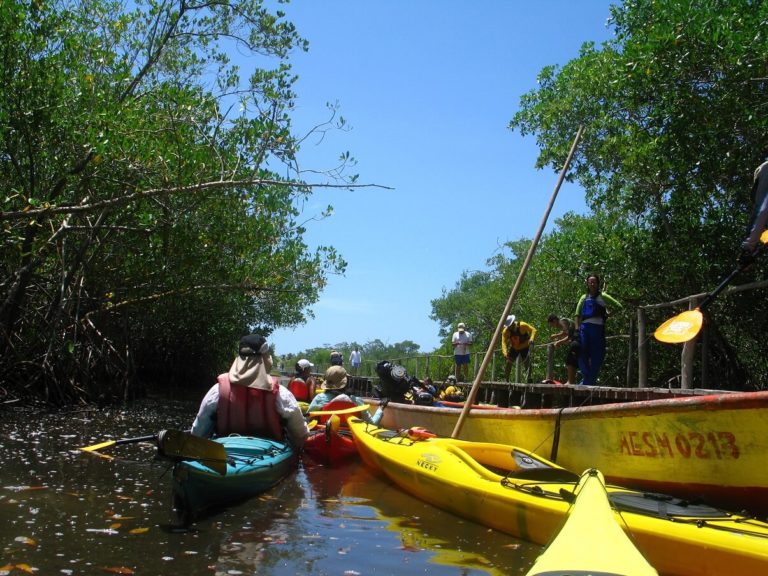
(334, 388)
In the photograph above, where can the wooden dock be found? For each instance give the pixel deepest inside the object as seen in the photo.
(540, 395)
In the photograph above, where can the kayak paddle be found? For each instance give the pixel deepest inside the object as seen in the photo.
(352, 410)
(686, 325)
(177, 445)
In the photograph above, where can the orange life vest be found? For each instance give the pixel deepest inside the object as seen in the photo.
(248, 411)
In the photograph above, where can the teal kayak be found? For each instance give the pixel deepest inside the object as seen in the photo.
(254, 465)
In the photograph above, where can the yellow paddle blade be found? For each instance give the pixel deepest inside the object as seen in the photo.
(353, 410)
(681, 328)
(764, 236)
(186, 446)
(97, 447)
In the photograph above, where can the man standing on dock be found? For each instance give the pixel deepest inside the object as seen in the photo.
(461, 341)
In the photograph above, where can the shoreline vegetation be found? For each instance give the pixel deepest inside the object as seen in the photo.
(149, 221)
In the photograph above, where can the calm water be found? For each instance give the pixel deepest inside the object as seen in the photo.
(67, 512)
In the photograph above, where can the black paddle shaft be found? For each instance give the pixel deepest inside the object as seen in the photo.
(712, 295)
(150, 438)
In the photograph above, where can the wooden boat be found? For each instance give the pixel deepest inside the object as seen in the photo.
(253, 465)
(330, 440)
(460, 405)
(712, 448)
(515, 491)
(591, 541)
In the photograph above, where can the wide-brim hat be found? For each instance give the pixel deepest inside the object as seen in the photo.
(335, 378)
(510, 319)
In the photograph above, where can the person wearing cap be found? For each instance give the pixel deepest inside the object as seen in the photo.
(247, 400)
(334, 388)
(516, 339)
(450, 391)
(355, 359)
(302, 385)
(461, 341)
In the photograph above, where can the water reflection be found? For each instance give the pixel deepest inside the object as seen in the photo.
(67, 512)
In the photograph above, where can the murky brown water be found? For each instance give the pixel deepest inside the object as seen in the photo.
(63, 511)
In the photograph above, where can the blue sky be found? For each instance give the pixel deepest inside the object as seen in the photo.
(428, 88)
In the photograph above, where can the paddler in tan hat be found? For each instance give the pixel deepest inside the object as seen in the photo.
(248, 400)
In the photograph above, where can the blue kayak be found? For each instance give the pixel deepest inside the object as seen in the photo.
(253, 466)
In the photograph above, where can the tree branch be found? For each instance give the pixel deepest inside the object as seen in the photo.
(205, 186)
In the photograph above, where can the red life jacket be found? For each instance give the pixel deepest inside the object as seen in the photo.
(248, 411)
(299, 389)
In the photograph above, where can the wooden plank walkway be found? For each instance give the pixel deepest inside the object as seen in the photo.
(540, 395)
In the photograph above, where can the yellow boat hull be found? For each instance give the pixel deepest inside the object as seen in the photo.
(461, 477)
(591, 540)
(711, 448)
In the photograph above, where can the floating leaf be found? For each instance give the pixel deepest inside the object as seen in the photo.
(25, 568)
(25, 540)
(115, 526)
(117, 569)
(139, 530)
(25, 488)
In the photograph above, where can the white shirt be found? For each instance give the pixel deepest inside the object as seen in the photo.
(286, 405)
(464, 339)
(355, 357)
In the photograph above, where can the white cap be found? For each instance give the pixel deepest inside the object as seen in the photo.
(509, 320)
(304, 363)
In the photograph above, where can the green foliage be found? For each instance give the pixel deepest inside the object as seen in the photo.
(372, 352)
(674, 109)
(147, 213)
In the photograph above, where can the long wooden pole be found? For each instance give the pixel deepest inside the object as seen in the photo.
(534, 243)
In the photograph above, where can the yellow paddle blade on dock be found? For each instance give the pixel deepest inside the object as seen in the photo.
(681, 328)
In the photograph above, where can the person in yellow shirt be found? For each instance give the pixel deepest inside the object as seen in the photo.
(450, 390)
(516, 339)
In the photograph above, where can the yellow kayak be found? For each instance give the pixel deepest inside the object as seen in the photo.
(517, 492)
(591, 541)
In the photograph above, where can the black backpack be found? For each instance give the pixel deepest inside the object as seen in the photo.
(393, 381)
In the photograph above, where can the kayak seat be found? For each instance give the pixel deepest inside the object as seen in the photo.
(544, 475)
(662, 505)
